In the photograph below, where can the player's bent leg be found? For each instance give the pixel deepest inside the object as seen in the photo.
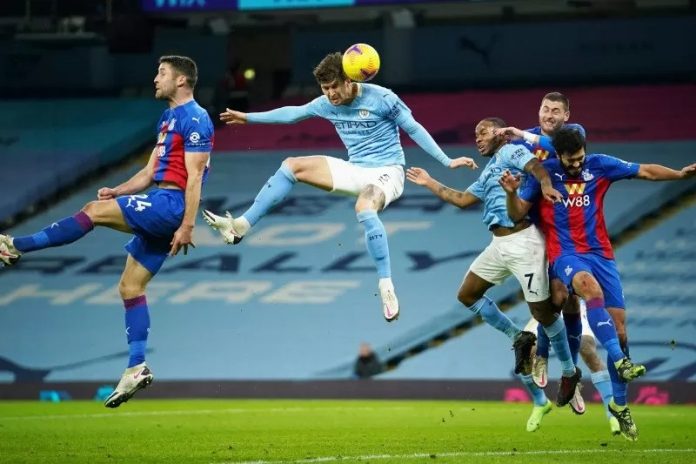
(137, 374)
(108, 213)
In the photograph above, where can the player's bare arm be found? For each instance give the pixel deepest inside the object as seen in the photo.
(195, 167)
(658, 172)
(463, 161)
(420, 176)
(137, 183)
(535, 168)
(517, 208)
(233, 117)
(511, 133)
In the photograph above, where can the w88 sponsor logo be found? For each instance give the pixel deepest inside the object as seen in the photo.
(577, 201)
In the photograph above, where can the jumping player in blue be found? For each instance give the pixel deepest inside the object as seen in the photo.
(367, 118)
(578, 246)
(517, 249)
(161, 220)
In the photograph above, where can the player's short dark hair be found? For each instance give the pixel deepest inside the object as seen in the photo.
(496, 121)
(568, 141)
(558, 97)
(183, 65)
(330, 69)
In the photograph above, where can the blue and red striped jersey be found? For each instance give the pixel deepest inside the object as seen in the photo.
(185, 128)
(576, 225)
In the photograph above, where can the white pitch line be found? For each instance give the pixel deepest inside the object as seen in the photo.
(458, 454)
(194, 412)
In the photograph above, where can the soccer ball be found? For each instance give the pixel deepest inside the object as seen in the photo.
(360, 62)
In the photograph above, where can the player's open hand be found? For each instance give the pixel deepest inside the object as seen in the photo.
(418, 176)
(106, 193)
(183, 237)
(233, 117)
(509, 181)
(511, 133)
(689, 171)
(463, 161)
(551, 194)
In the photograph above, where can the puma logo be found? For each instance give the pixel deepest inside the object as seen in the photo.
(607, 322)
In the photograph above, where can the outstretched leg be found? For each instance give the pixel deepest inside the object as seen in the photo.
(311, 170)
(105, 213)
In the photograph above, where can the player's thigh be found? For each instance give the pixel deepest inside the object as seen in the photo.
(607, 275)
(134, 279)
(107, 213)
(490, 266)
(525, 255)
(577, 273)
(155, 214)
(353, 180)
(312, 170)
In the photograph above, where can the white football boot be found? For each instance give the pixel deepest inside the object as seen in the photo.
(8, 253)
(224, 225)
(133, 379)
(540, 371)
(577, 403)
(390, 304)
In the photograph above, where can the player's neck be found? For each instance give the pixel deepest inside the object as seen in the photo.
(180, 99)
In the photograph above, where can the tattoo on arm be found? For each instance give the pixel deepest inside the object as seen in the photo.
(450, 195)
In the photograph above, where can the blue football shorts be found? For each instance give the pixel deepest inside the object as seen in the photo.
(603, 269)
(154, 217)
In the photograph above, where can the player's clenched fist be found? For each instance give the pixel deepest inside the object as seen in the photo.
(106, 193)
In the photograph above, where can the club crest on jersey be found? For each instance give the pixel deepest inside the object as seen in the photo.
(541, 154)
(587, 175)
(364, 114)
(575, 188)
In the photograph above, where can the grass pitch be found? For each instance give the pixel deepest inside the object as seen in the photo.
(280, 431)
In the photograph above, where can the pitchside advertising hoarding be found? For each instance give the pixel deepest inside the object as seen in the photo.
(201, 5)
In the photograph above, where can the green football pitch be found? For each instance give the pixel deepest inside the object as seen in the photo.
(305, 431)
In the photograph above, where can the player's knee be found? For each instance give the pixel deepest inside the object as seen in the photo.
(587, 286)
(90, 209)
(466, 298)
(128, 289)
(294, 164)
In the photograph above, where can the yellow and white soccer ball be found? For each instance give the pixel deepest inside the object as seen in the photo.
(360, 62)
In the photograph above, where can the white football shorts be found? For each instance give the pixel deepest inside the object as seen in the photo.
(351, 179)
(522, 254)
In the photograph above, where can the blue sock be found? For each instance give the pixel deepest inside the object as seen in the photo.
(538, 396)
(602, 382)
(573, 325)
(493, 316)
(559, 340)
(273, 192)
(59, 233)
(376, 241)
(602, 326)
(137, 328)
(618, 387)
(542, 347)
